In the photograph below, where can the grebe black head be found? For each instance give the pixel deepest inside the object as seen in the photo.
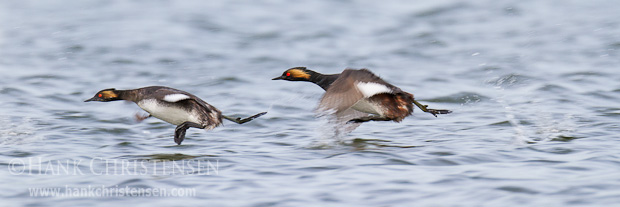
(105, 95)
(304, 74)
(295, 74)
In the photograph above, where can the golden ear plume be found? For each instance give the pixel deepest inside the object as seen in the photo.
(297, 73)
(108, 94)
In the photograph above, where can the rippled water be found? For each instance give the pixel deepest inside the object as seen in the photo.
(534, 86)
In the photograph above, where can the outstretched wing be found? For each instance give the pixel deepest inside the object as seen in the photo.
(340, 96)
(352, 86)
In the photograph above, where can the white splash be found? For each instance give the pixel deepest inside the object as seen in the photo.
(18, 130)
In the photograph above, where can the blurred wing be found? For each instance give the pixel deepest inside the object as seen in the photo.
(341, 95)
(351, 87)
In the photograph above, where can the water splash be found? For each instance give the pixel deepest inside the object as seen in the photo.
(329, 130)
(521, 134)
(544, 125)
(18, 130)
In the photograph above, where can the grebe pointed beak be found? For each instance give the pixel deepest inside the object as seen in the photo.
(277, 78)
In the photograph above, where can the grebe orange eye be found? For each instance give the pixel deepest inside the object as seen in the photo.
(100, 95)
(288, 74)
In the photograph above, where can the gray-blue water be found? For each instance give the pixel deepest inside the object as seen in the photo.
(534, 86)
